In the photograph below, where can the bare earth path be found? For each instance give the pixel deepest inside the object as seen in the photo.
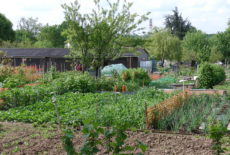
(24, 139)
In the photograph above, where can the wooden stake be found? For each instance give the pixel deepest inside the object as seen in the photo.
(146, 117)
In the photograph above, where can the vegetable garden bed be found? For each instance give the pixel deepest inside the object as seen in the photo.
(190, 115)
(106, 109)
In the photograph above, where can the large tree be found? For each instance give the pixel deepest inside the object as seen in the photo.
(176, 24)
(50, 37)
(6, 30)
(77, 34)
(102, 30)
(27, 29)
(134, 41)
(196, 46)
(223, 44)
(164, 46)
(215, 55)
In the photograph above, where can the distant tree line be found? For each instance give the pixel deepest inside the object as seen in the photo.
(30, 33)
(180, 41)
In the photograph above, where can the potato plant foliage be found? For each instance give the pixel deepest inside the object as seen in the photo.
(106, 109)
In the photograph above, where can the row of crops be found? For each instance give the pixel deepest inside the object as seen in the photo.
(109, 109)
(80, 98)
(106, 109)
(197, 113)
(53, 83)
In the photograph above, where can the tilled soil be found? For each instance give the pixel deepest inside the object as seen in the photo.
(24, 139)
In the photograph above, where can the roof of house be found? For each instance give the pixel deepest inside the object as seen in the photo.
(35, 52)
(135, 53)
(56, 52)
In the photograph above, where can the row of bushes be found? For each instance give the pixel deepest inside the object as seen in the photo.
(60, 83)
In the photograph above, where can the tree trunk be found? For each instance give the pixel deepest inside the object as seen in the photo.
(193, 63)
(83, 68)
(162, 62)
(97, 72)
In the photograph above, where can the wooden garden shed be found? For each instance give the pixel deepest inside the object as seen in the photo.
(42, 58)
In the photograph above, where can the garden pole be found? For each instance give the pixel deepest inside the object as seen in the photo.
(146, 118)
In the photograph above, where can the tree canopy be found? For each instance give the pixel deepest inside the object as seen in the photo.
(100, 34)
(6, 29)
(27, 29)
(50, 37)
(164, 46)
(176, 24)
(223, 43)
(196, 46)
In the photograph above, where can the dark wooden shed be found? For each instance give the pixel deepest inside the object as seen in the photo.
(131, 59)
(42, 58)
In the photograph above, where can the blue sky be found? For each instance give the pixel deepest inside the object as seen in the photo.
(210, 16)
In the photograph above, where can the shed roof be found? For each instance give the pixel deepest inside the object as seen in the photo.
(35, 52)
(136, 52)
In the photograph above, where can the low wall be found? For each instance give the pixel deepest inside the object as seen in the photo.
(181, 86)
(208, 91)
(199, 91)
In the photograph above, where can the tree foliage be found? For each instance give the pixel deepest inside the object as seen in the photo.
(28, 29)
(196, 45)
(164, 46)
(6, 29)
(215, 55)
(50, 37)
(223, 43)
(77, 34)
(99, 35)
(9, 44)
(210, 75)
(134, 41)
(176, 24)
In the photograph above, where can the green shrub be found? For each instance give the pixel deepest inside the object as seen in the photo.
(206, 79)
(105, 84)
(126, 75)
(14, 81)
(210, 75)
(74, 83)
(138, 75)
(24, 96)
(219, 74)
(5, 72)
(130, 86)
